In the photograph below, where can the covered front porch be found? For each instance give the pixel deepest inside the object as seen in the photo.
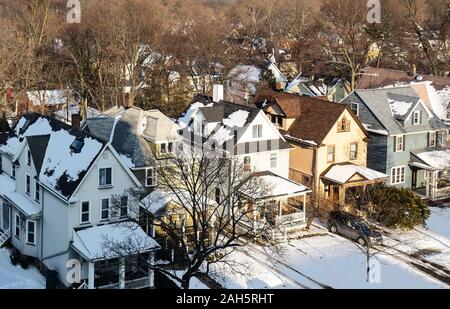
(431, 174)
(345, 183)
(116, 256)
(280, 211)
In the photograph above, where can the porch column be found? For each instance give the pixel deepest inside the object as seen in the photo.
(122, 270)
(304, 207)
(91, 276)
(428, 183)
(281, 209)
(153, 230)
(151, 272)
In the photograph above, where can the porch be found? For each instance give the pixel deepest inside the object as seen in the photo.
(431, 174)
(345, 183)
(117, 256)
(280, 211)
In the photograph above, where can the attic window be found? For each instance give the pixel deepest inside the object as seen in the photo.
(344, 125)
(77, 145)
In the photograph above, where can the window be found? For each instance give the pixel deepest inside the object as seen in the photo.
(417, 118)
(399, 143)
(354, 151)
(277, 121)
(150, 178)
(31, 232)
(432, 139)
(163, 148)
(355, 108)
(247, 164)
(274, 160)
(13, 171)
(29, 158)
(37, 192)
(17, 226)
(105, 177)
(331, 154)
(398, 175)
(85, 212)
(257, 131)
(218, 196)
(124, 206)
(343, 125)
(170, 147)
(28, 184)
(105, 209)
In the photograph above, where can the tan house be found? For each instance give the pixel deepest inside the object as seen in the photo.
(330, 144)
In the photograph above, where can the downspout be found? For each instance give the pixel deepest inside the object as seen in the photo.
(42, 226)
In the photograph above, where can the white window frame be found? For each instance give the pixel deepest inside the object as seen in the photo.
(397, 178)
(83, 212)
(353, 158)
(274, 160)
(37, 192)
(28, 187)
(28, 157)
(397, 143)
(101, 208)
(419, 118)
(431, 139)
(154, 178)
(99, 177)
(17, 221)
(128, 206)
(329, 154)
(257, 131)
(33, 243)
(13, 171)
(352, 104)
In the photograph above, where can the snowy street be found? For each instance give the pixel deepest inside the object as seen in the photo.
(416, 259)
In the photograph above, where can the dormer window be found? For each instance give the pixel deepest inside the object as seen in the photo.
(417, 118)
(355, 108)
(105, 177)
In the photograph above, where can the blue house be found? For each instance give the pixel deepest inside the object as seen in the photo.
(408, 141)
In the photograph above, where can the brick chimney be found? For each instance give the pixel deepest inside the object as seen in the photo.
(76, 121)
(413, 70)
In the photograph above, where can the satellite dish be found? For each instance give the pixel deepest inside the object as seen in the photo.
(419, 78)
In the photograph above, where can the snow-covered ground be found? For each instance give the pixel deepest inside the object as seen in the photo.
(15, 277)
(322, 260)
(439, 222)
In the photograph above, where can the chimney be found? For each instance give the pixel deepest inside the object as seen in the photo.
(76, 121)
(413, 70)
(218, 93)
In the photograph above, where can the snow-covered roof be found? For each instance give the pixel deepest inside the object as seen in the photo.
(112, 241)
(400, 108)
(275, 187)
(28, 208)
(439, 159)
(343, 173)
(65, 114)
(51, 97)
(7, 185)
(63, 166)
(160, 198)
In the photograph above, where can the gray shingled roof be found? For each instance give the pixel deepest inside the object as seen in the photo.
(377, 100)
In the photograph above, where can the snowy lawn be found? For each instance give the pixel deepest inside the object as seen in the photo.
(318, 260)
(439, 222)
(15, 277)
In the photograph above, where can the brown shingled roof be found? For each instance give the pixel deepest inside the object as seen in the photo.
(315, 118)
(379, 78)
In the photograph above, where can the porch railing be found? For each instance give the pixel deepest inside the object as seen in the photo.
(140, 283)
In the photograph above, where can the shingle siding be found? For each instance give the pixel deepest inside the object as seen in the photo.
(377, 153)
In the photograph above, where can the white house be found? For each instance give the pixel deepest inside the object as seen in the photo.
(58, 187)
(245, 134)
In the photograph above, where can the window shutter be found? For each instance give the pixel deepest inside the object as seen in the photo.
(404, 143)
(395, 143)
(428, 139)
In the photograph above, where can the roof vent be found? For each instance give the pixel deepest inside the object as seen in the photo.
(77, 145)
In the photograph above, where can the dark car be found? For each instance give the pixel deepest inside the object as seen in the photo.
(353, 228)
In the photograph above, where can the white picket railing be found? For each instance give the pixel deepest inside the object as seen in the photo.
(4, 238)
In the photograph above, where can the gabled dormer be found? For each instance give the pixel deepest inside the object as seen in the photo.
(409, 111)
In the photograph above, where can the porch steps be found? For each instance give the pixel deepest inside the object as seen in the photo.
(4, 237)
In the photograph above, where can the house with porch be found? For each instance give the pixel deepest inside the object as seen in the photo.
(57, 189)
(329, 145)
(244, 135)
(408, 140)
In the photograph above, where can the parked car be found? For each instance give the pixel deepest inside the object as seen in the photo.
(353, 228)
